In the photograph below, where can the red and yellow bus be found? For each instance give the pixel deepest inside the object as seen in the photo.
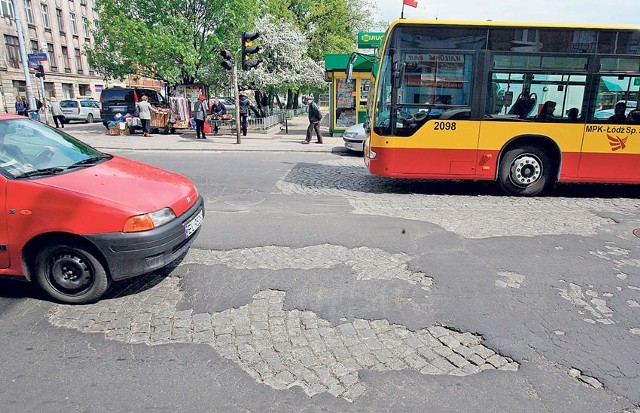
(525, 105)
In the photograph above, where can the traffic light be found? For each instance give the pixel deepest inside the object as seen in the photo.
(227, 59)
(248, 49)
(40, 72)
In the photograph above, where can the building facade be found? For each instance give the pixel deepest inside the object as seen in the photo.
(62, 30)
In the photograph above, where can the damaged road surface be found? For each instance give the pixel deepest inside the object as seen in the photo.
(315, 286)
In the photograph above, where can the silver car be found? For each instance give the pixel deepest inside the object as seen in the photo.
(353, 138)
(86, 110)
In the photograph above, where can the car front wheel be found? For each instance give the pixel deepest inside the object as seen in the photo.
(70, 273)
(90, 118)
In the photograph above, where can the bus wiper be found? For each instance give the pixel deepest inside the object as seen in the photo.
(41, 172)
(89, 161)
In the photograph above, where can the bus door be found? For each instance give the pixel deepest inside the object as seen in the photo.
(611, 147)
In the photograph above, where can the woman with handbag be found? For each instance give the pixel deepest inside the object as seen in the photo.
(200, 110)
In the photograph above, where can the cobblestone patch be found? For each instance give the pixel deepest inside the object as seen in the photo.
(285, 348)
(620, 257)
(366, 263)
(468, 216)
(509, 279)
(590, 303)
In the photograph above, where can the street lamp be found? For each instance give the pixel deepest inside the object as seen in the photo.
(25, 61)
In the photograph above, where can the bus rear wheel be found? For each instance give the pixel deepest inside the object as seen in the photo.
(525, 171)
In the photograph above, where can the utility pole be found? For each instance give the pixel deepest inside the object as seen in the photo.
(25, 61)
(235, 91)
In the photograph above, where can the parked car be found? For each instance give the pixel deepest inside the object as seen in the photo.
(86, 110)
(121, 100)
(76, 219)
(353, 138)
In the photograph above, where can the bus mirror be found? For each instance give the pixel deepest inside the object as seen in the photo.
(398, 74)
(508, 98)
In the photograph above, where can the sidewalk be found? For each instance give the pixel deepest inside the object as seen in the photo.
(276, 140)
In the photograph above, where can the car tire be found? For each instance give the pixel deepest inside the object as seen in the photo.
(525, 171)
(90, 118)
(70, 273)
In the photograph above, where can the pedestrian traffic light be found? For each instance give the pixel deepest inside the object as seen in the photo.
(248, 49)
(40, 72)
(227, 59)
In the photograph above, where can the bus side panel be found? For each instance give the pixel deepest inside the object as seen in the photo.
(495, 135)
(440, 149)
(611, 153)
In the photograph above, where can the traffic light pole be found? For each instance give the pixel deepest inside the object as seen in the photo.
(25, 60)
(236, 93)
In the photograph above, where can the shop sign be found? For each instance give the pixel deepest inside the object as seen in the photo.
(370, 40)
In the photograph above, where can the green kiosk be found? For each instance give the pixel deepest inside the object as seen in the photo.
(348, 98)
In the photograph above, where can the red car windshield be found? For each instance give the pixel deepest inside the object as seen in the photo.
(29, 148)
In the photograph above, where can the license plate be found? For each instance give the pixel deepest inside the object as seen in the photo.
(193, 224)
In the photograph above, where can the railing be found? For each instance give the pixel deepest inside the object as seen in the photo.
(275, 118)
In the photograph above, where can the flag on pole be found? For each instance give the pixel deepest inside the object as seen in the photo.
(412, 3)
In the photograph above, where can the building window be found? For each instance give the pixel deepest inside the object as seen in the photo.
(45, 16)
(13, 51)
(28, 12)
(86, 27)
(83, 2)
(49, 90)
(65, 59)
(67, 91)
(51, 55)
(79, 61)
(74, 27)
(34, 46)
(6, 7)
(60, 20)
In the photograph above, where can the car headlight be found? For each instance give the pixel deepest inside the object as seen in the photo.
(145, 222)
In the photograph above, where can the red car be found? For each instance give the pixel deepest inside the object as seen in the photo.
(75, 218)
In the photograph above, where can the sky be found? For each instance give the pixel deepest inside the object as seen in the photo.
(542, 11)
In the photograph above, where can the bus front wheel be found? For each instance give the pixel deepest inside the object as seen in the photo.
(525, 171)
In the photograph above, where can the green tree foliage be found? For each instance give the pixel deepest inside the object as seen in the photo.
(330, 26)
(177, 41)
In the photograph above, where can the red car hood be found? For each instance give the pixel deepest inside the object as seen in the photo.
(136, 186)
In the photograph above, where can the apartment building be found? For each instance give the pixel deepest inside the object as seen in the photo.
(62, 30)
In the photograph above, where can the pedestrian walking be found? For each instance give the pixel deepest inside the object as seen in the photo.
(315, 116)
(245, 106)
(200, 110)
(56, 112)
(144, 113)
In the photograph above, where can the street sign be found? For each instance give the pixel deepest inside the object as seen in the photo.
(37, 57)
(33, 64)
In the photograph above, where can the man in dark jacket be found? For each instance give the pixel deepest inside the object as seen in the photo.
(314, 121)
(217, 110)
(245, 105)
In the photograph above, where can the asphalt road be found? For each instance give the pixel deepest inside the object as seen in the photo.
(315, 286)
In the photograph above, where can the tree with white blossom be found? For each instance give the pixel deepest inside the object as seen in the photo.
(285, 65)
